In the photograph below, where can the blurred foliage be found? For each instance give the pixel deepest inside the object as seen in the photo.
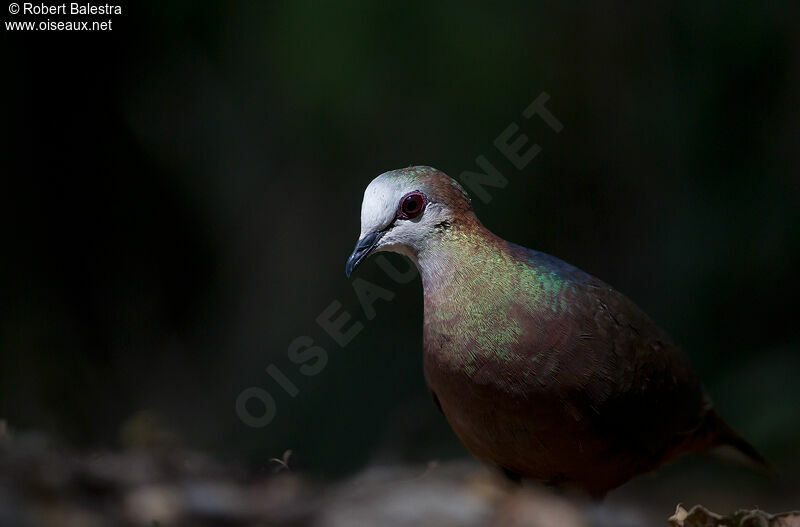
(179, 198)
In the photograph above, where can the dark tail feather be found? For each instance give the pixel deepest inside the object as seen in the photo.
(718, 433)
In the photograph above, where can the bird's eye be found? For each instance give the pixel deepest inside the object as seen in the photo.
(411, 205)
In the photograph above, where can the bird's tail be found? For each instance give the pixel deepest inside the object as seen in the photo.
(715, 432)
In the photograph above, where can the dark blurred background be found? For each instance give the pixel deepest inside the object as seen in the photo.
(180, 195)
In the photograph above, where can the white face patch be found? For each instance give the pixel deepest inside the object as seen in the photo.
(379, 210)
(380, 203)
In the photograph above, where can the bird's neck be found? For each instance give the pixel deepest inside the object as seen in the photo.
(466, 257)
(472, 284)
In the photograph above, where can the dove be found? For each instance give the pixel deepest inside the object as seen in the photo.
(541, 369)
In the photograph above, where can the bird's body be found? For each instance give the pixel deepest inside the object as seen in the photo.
(540, 368)
(549, 373)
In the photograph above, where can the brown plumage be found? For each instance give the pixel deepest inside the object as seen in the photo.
(540, 368)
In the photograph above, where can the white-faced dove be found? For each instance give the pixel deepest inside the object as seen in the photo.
(540, 368)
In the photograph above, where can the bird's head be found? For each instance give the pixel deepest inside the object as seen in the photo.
(403, 210)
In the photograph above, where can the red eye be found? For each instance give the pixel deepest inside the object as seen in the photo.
(411, 205)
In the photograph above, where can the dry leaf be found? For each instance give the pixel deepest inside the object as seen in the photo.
(699, 516)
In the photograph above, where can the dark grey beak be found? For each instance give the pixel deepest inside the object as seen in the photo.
(362, 250)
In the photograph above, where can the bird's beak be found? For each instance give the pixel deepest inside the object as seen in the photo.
(364, 246)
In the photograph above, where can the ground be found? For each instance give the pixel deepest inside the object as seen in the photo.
(43, 484)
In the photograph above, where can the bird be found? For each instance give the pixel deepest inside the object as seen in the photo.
(541, 369)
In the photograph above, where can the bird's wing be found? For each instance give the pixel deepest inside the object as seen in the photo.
(623, 374)
(656, 400)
